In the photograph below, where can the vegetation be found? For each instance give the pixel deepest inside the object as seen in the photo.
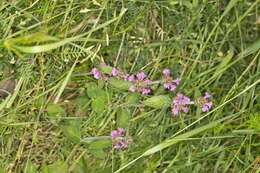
(55, 117)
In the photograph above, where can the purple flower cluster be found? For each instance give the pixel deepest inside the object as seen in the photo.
(204, 102)
(180, 104)
(118, 138)
(114, 72)
(141, 84)
(168, 82)
(96, 73)
(139, 81)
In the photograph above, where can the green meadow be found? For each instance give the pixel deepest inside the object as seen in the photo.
(84, 86)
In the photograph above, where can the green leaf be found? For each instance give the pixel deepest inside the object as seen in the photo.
(58, 166)
(132, 98)
(38, 37)
(81, 102)
(106, 69)
(40, 102)
(50, 46)
(93, 91)
(98, 105)
(89, 140)
(101, 83)
(119, 84)
(123, 117)
(55, 111)
(30, 168)
(158, 101)
(44, 168)
(2, 170)
(71, 129)
(80, 166)
(41, 48)
(251, 49)
(98, 153)
(100, 144)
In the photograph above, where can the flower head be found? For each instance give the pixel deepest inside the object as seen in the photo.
(166, 72)
(96, 73)
(141, 76)
(120, 144)
(169, 86)
(131, 78)
(139, 83)
(114, 134)
(206, 107)
(114, 72)
(168, 82)
(180, 104)
(118, 138)
(145, 91)
(204, 102)
(207, 95)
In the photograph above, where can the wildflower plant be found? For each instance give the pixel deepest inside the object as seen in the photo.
(140, 83)
(182, 79)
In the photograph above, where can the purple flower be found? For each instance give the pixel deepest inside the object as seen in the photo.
(175, 109)
(139, 83)
(147, 81)
(119, 139)
(176, 81)
(114, 134)
(145, 91)
(166, 72)
(121, 144)
(206, 107)
(168, 82)
(204, 102)
(207, 95)
(180, 104)
(125, 76)
(95, 72)
(114, 72)
(131, 78)
(170, 86)
(140, 76)
(120, 131)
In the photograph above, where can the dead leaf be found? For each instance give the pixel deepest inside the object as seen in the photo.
(6, 87)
